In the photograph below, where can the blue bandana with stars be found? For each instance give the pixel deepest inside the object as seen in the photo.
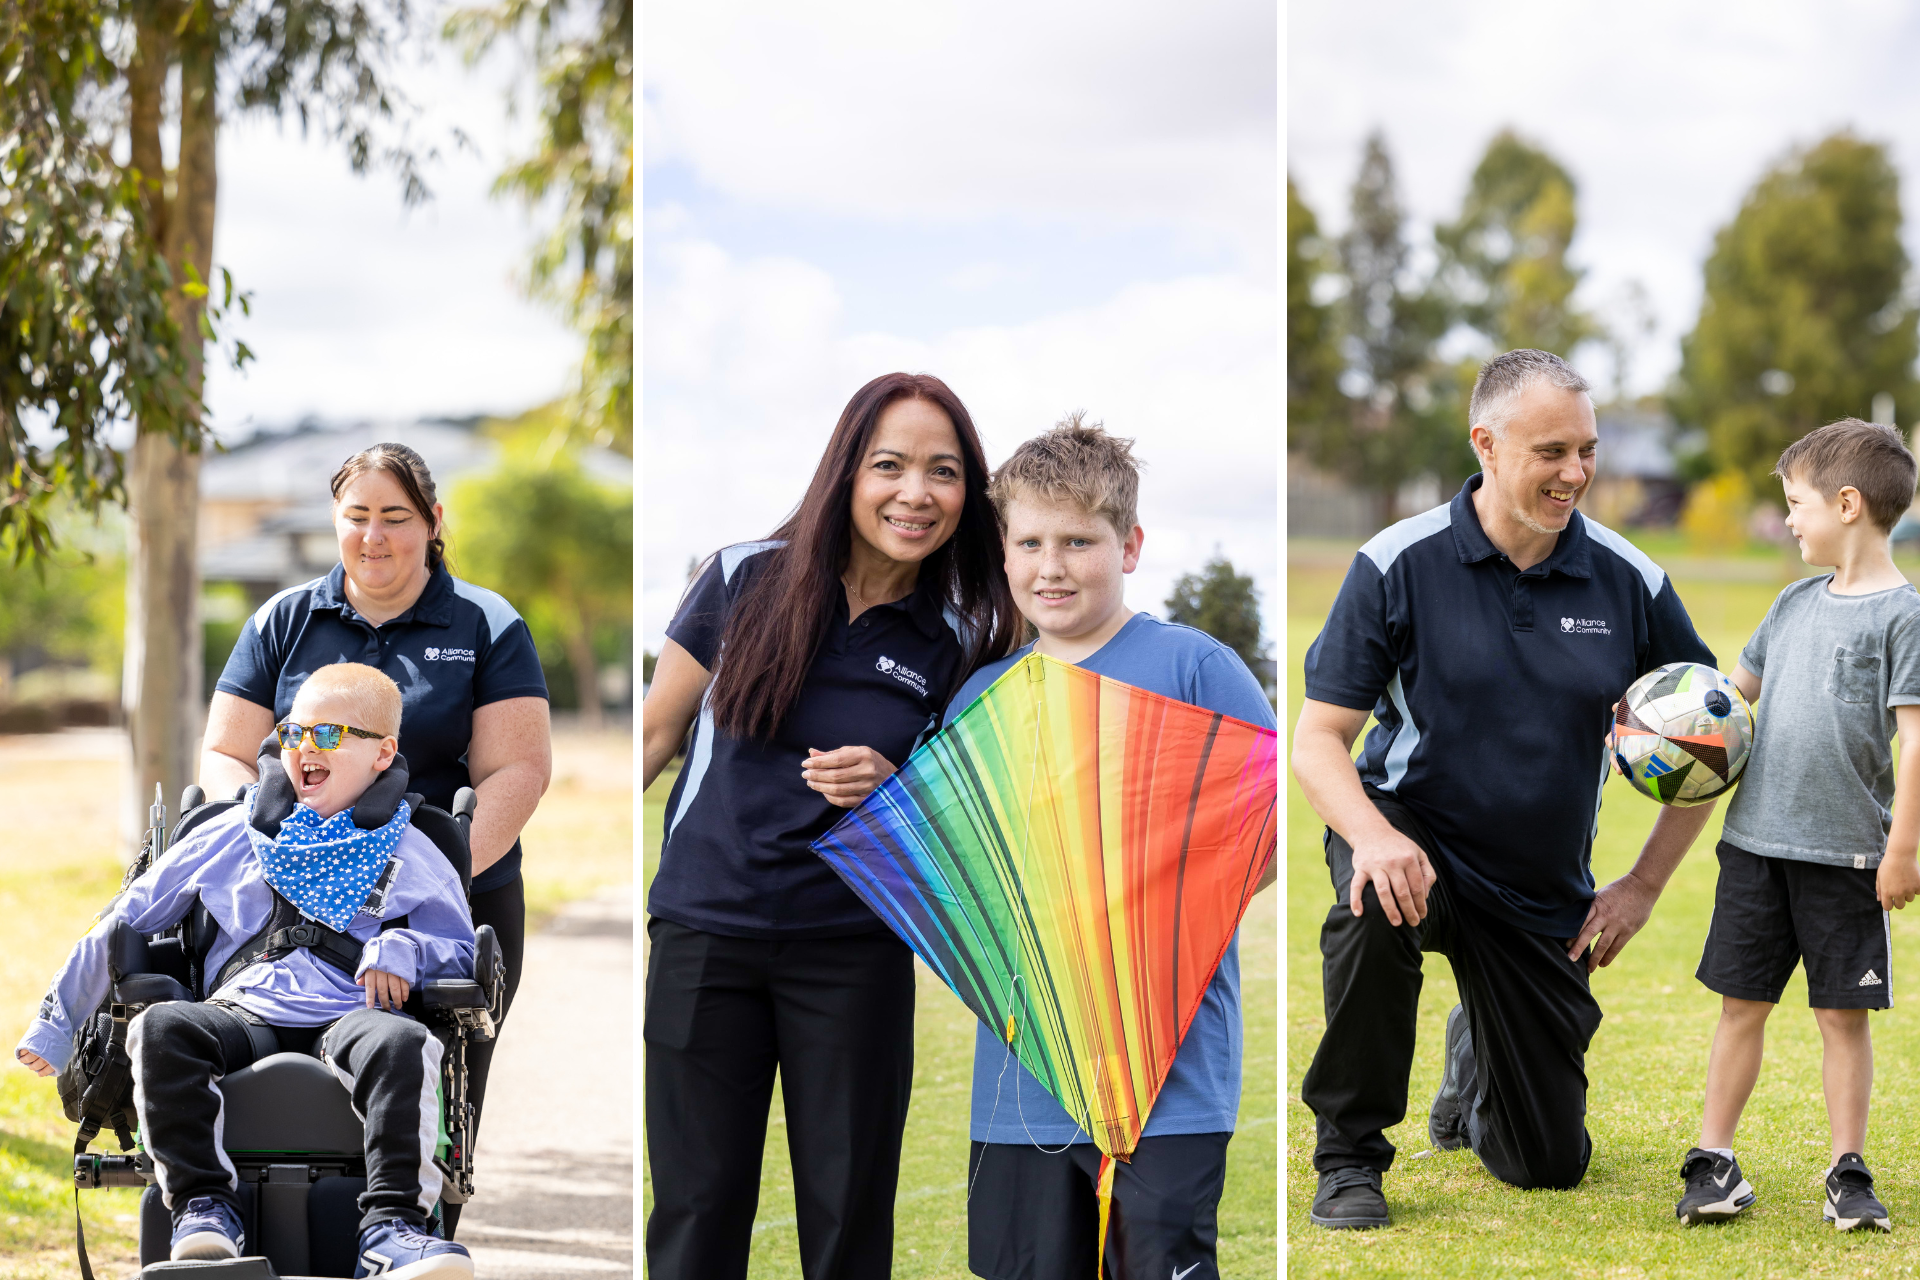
(326, 867)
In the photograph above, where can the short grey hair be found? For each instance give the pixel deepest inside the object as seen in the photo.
(1503, 379)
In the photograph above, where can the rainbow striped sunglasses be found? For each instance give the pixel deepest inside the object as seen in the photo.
(326, 737)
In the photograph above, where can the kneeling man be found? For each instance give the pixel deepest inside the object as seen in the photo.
(1490, 638)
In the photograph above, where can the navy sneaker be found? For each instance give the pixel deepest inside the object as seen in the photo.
(1716, 1189)
(1850, 1199)
(1447, 1118)
(399, 1250)
(207, 1230)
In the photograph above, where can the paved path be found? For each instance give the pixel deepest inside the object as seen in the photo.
(554, 1165)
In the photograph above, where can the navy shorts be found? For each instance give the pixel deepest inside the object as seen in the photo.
(1032, 1213)
(1770, 914)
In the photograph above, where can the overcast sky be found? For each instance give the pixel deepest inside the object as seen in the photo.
(1051, 210)
(1666, 112)
(363, 308)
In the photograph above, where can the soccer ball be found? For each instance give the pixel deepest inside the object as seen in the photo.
(1682, 734)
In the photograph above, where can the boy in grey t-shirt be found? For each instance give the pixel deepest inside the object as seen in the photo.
(1820, 839)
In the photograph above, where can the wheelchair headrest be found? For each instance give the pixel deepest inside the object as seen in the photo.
(374, 808)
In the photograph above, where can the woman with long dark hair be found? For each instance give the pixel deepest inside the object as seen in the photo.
(814, 662)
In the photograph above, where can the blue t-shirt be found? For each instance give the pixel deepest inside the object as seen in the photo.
(1493, 688)
(1202, 1090)
(459, 647)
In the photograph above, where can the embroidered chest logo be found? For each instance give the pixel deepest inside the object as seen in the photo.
(912, 679)
(1585, 626)
(448, 655)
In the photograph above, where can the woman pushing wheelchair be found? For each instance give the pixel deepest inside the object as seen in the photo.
(384, 891)
(465, 664)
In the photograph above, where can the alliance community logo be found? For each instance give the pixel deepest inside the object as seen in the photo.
(449, 655)
(1585, 626)
(904, 675)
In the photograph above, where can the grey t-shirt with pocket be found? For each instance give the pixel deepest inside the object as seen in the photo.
(1819, 785)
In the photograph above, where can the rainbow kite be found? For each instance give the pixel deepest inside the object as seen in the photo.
(1072, 856)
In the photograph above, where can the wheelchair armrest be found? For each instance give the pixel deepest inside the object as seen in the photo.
(453, 993)
(148, 988)
(490, 968)
(461, 1003)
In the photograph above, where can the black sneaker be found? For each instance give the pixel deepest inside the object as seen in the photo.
(1447, 1118)
(1850, 1199)
(1716, 1190)
(1351, 1198)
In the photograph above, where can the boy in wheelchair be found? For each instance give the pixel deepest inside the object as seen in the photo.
(388, 890)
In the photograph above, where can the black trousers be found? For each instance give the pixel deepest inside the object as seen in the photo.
(1032, 1212)
(835, 1017)
(1529, 1010)
(505, 908)
(390, 1065)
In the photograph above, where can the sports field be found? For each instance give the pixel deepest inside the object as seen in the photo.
(58, 866)
(930, 1215)
(1647, 1065)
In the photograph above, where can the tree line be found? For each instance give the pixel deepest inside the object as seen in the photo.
(110, 305)
(1806, 314)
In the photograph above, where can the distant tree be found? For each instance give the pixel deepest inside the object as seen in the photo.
(1313, 339)
(1505, 257)
(67, 608)
(1399, 418)
(108, 300)
(1805, 317)
(581, 168)
(545, 535)
(1225, 605)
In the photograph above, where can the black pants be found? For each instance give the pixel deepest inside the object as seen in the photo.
(1032, 1213)
(1529, 1011)
(390, 1065)
(505, 909)
(835, 1016)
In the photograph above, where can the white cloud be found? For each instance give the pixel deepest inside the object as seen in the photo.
(1665, 111)
(362, 308)
(1129, 112)
(749, 364)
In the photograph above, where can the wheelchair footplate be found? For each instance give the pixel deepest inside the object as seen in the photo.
(224, 1269)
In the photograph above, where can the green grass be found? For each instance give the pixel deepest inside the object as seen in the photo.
(930, 1210)
(1647, 1068)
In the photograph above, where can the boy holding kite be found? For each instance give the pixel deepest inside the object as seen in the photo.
(1066, 502)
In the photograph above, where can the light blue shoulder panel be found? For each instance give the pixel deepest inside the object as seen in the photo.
(731, 557)
(265, 611)
(500, 614)
(1652, 574)
(1385, 546)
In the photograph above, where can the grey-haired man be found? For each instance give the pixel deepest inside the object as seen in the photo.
(1490, 638)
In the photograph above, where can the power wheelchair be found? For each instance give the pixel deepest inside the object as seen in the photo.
(290, 1128)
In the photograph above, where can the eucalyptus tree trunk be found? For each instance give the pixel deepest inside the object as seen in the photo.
(586, 669)
(162, 692)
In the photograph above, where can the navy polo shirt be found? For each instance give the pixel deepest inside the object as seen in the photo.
(1494, 689)
(458, 647)
(739, 819)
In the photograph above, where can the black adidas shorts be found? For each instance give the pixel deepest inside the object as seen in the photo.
(1772, 913)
